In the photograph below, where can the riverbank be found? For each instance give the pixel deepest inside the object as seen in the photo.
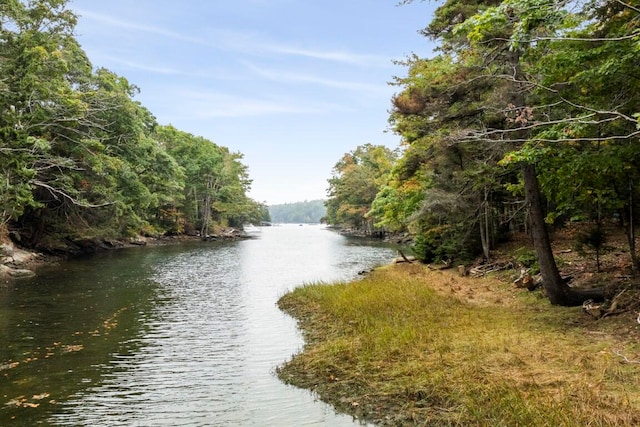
(18, 262)
(411, 346)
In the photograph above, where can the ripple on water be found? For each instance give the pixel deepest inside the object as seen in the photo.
(208, 347)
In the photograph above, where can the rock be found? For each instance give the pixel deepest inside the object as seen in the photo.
(138, 241)
(462, 270)
(21, 257)
(6, 250)
(15, 272)
(91, 245)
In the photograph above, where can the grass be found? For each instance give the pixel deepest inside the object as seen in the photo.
(409, 346)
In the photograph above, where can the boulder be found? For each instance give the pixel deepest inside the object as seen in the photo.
(6, 250)
(15, 272)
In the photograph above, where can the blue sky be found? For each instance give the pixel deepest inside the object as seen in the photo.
(291, 84)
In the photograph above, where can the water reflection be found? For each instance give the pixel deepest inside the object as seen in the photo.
(185, 335)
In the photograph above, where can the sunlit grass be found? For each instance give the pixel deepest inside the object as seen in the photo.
(392, 349)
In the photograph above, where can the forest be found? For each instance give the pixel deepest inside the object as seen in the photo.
(525, 121)
(82, 159)
(306, 212)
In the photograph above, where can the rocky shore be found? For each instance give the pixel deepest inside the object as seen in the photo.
(16, 262)
(19, 262)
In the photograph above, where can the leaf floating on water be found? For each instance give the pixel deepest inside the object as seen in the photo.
(24, 403)
(30, 405)
(9, 365)
(40, 396)
(16, 402)
(72, 348)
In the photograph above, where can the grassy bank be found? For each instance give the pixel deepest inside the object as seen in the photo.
(410, 346)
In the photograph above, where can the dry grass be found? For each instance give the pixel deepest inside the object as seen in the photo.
(409, 346)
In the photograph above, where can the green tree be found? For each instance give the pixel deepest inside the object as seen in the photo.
(216, 182)
(501, 83)
(42, 65)
(355, 183)
(309, 212)
(457, 186)
(81, 158)
(589, 74)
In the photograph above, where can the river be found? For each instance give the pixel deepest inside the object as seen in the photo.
(180, 335)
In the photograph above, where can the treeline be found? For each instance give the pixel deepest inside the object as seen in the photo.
(307, 212)
(81, 158)
(526, 118)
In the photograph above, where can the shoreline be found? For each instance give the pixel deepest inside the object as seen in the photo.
(17, 262)
(410, 346)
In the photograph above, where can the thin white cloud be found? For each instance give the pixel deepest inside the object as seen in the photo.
(115, 22)
(334, 56)
(288, 77)
(245, 42)
(139, 66)
(210, 74)
(219, 105)
(255, 43)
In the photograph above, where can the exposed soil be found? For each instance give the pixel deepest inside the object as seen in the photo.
(616, 324)
(581, 270)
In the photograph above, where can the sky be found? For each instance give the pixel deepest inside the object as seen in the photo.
(293, 85)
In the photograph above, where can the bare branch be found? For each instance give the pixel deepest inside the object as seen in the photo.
(482, 138)
(562, 99)
(628, 5)
(57, 192)
(580, 120)
(571, 39)
(625, 358)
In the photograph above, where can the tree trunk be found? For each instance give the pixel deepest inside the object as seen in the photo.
(631, 233)
(484, 227)
(557, 290)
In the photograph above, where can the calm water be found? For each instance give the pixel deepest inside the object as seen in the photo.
(184, 335)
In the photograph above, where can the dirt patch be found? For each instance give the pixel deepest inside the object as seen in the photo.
(612, 270)
(387, 350)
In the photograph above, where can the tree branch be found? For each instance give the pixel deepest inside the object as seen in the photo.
(625, 358)
(628, 5)
(480, 137)
(55, 192)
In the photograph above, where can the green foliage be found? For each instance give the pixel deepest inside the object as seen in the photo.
(80, 157)
(517, 82)
(354, 185)
(215, 181)
(527, 258)
(307, 212)
(593, 238)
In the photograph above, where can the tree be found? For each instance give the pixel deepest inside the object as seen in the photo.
(500, 82)
(526, 28)
(354, 185)
(216, 182)
(42, 65)
(309, 211)
(81, 158)
(592, 72)
(460, 183)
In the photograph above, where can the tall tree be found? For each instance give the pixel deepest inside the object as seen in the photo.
(216, 181)
(354, 185)
(42, 65)
(461, 183)
(504, 62)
